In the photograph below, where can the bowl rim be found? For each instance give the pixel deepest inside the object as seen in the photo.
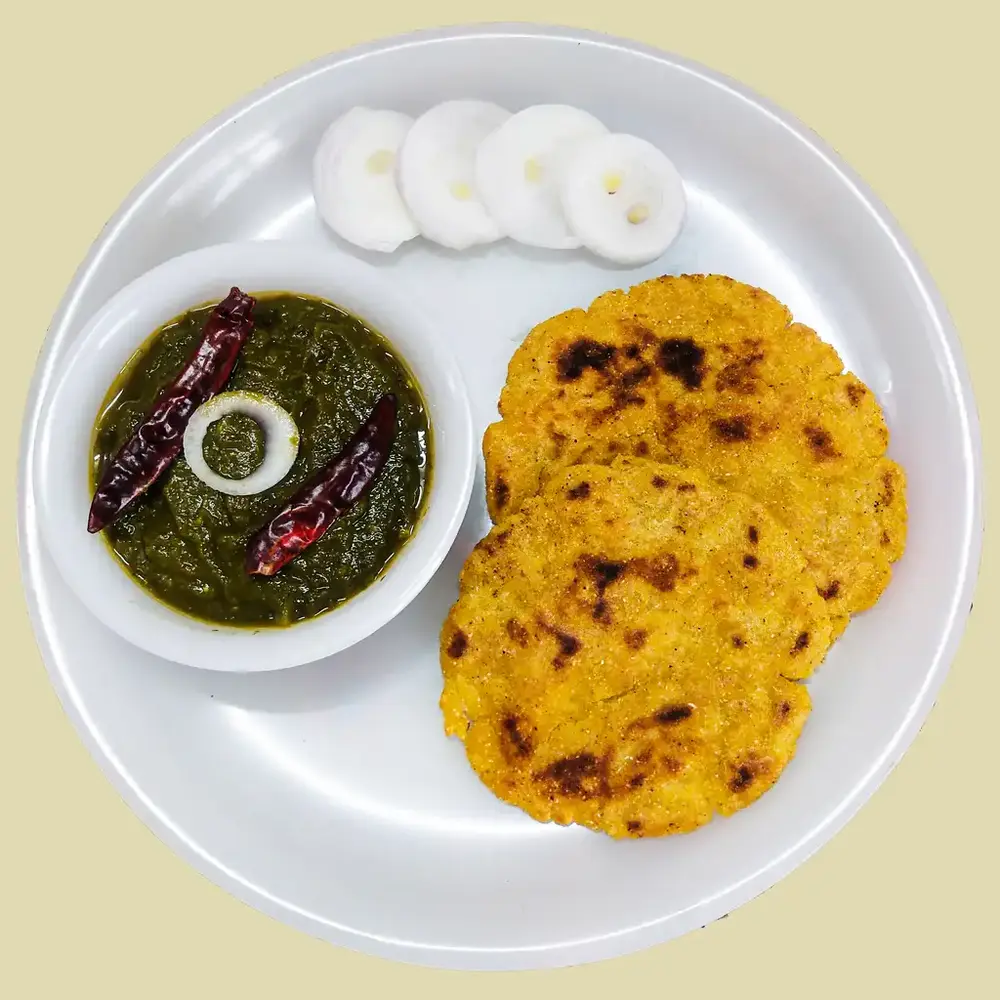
(108, 339)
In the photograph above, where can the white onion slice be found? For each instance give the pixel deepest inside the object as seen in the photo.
(518, 167)
(623, 199)
(281, 442)
(354, 183)
(437, 172)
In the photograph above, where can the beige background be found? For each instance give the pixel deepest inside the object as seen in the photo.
(902, 903)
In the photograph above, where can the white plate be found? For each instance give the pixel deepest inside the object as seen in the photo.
(327, 795)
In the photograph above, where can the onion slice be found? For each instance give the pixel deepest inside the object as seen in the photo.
(623, 199)
(281, 442)
(518, 168)
(436, 171)
(354, 183)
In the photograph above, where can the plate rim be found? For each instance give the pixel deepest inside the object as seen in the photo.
(625, 940)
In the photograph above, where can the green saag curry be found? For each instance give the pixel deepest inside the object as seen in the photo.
(186, 543)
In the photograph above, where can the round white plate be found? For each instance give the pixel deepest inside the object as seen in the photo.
(328, 795)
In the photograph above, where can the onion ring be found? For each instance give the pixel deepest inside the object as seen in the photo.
(281, 442)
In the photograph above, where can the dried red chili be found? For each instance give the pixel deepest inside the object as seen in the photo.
(328, 496)
(159, 438)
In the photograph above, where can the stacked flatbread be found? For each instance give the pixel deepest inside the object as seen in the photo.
(691, 498)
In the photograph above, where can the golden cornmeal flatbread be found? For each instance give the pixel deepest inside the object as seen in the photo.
(626, 648)
(705, 372)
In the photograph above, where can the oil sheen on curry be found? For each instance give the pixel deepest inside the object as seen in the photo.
(187, 544)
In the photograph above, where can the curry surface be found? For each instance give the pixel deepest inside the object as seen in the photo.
(186, 543)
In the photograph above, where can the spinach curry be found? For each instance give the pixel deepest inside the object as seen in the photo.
(186, 543)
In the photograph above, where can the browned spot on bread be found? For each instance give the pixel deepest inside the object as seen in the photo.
(559, 440)
(604, 572)
(642, 449)
(569, 645)
(637, 781)
(517, 632)
(670, 714)
(751, 768)
(458, 645)
(660, 572)
(801, 642)
(830, 592)
(623, 394)
(634, 826)
(659, 482)
(581, 776)
(888, 491)
(684, 359)
(751, 561)
(636, 376)
(621, 399)
(741, 376)
(855, 392)
(519, 743)
(821, 442)
(885, 539)
(686, 487)
(501, 493)
(581, 355)
(643, 337)
(636, 638)
(753, 534)
(739, 642)
(783, 711)
(579, 492)
(491, 543)
(672, 419)
(732, 429)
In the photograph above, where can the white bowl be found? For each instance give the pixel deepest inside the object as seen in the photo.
(105, 345)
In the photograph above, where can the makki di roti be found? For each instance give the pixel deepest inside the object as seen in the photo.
(706, 372)
(691, 498)
(626, 649)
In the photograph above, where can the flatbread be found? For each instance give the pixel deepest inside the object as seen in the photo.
(626, 650)
(706, 372)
